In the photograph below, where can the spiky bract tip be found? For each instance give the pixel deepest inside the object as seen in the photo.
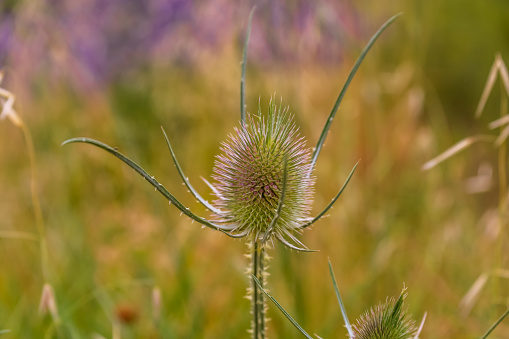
(385, 321)
(250, 175)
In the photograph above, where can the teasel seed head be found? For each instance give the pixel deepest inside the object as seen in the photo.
(385, 321)
(250, 176)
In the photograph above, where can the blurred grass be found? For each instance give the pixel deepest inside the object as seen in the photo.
(112, 239)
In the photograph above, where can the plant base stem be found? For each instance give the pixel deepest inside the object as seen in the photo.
(258, 305)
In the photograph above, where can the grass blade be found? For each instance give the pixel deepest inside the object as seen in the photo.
(456, 148)
(4, 331)
(365, 51)
(243, 67)
(7, 234)
(488, 87)
(504, 133)
(471, 297)
(287, 315)
(340, 301)
(495, 325)
(329, 206)
(186, 180)
(159, 187)
(504, 74)
(498, 67)
(499, 122)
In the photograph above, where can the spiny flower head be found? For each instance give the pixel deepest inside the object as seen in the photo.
(385, 321)
(250, 175)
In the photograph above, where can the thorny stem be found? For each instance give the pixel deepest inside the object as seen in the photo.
(257, 297)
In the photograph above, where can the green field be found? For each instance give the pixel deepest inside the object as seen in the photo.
(122, 263)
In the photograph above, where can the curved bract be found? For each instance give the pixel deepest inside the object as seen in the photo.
(355, 67)
(159, 187)
(186, 180)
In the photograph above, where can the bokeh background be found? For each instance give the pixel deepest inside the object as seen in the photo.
(118, 70)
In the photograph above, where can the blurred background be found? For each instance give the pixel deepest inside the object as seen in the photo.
(122, 263)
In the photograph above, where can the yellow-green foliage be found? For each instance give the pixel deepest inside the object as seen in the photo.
(113, 242)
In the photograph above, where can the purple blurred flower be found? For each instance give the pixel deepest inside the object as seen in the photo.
(91, 43)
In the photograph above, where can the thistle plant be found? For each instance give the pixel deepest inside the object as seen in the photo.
(386, 320)
(263, 182)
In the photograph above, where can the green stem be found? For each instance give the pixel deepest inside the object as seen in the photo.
(257, 297)
(495, 325)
